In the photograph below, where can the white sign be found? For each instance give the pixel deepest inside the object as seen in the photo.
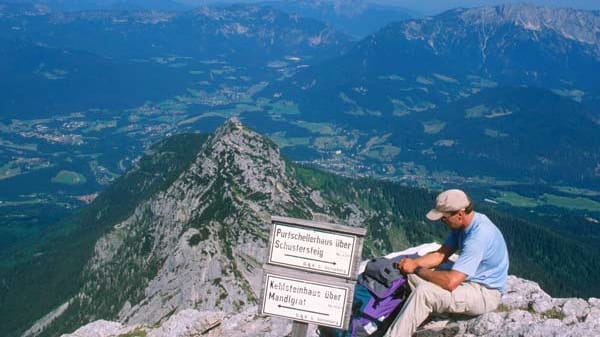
(312, 249)
(307, 301)
(311, 271)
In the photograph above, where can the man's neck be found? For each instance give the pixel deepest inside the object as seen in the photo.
(468, 219)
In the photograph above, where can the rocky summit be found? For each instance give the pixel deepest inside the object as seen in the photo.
(198, 244)
(187, 260)
(526, 310)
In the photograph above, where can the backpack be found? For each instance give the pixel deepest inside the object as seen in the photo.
(379, 294)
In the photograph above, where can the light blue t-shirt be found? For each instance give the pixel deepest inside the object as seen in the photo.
(483, 255)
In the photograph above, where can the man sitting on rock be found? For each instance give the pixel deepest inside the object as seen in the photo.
(477, 279)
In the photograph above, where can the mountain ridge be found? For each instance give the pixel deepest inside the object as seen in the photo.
(126, 34)
(446, 33)
(405, 79)
(196, 237)
(83, 5)
(123, 59)
(184, 232)
(570, 23)
(357, 18)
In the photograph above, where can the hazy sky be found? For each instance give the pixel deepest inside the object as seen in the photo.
(436, 6)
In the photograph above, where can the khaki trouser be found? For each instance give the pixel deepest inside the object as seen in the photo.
(468, 298)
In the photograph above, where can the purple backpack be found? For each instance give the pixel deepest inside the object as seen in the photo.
(379, 295)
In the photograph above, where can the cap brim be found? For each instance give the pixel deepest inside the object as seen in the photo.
(434, 215)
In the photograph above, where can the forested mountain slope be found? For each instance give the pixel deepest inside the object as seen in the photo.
(187, 228)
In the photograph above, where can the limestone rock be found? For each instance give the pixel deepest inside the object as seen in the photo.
(526, 310)
(101, 328)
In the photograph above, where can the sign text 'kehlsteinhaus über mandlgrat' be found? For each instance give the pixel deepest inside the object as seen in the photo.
(307, 301)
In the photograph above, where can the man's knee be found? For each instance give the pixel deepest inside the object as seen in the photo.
(431, 295)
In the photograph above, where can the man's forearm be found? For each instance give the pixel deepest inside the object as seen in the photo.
(430, 260)
(448, 280)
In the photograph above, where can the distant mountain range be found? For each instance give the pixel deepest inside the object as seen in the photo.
(394, 97)
(56, 61)
(464, 50)
(357, 18)
(187, 228)
(83, 5)
(244, 34)
(421, 82)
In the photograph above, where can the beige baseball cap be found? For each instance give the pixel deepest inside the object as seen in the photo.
(447, 202)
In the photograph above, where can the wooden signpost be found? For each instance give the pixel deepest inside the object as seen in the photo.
(310, 272)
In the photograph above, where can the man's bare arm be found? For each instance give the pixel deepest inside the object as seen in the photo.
(447, 279)
(436, 258)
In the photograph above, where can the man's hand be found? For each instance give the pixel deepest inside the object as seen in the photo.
(447, 279)
(407, 266)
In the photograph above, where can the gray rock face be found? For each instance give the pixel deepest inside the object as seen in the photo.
(526, 310)
(201, 264)
(200, 243)
(570, 23)
(533, 22)
(102, 328)
(515, 317)
(189, 323)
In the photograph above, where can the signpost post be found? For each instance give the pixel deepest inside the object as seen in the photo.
(310, 272)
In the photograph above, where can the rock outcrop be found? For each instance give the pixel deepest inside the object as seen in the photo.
(200, 243)
(197, 244)
(526, 310)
